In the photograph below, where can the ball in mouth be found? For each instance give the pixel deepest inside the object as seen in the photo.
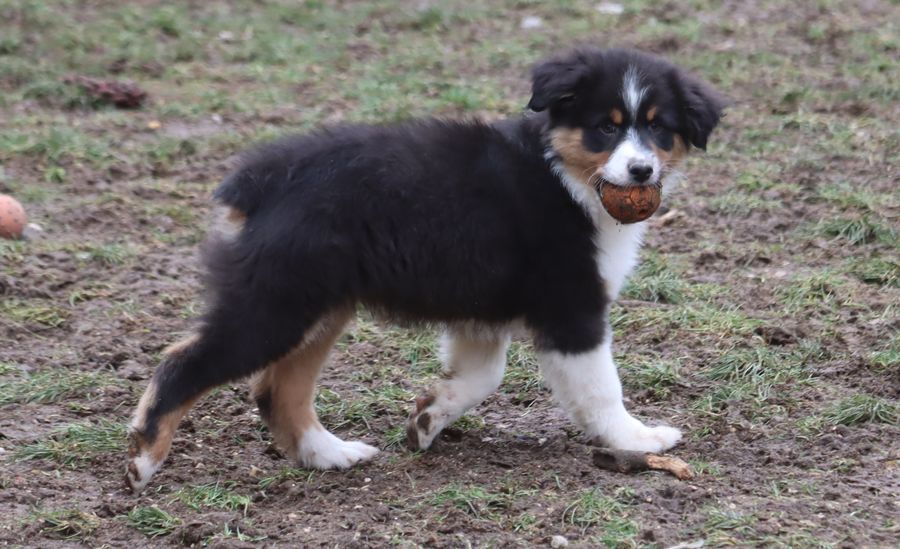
(629, 203)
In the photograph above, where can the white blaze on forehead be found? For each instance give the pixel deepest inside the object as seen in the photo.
(632, 92)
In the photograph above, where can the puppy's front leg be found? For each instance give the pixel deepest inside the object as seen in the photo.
(587, 386)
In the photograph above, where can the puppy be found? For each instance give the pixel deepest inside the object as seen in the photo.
(480, 228)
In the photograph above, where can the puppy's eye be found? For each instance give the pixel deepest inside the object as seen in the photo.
(608, 128)
(654, 126)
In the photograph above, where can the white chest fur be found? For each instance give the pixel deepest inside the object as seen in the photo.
(617, 244)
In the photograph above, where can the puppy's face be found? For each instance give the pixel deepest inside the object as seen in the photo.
(622, 116)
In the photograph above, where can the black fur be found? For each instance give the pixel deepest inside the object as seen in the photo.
(580, 87)
(431, 221)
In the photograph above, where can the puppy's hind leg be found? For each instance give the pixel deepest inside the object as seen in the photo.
(285, 394)
(238, 338)
(474, 365)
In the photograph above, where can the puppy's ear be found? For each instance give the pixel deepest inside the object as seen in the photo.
(701, 107)
(556, 80)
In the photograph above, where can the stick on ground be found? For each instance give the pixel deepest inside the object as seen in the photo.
(628, 461)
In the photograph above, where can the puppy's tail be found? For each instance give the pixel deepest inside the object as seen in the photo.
(242, 190)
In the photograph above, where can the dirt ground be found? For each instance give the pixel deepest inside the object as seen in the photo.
(763, 322)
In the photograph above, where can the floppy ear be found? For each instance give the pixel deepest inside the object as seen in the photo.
(555, 81)
(701, 109)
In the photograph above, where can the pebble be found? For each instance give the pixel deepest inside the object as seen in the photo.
(531, 22)
(32, 231)
(610, 8)
(558, 541)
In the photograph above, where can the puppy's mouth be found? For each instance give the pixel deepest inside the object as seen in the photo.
(597, 181)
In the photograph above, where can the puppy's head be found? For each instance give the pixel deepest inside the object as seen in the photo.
(622, 116)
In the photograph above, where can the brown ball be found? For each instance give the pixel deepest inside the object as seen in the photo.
(12, 217)
(631, 203)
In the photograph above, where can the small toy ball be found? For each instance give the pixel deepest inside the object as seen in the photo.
(12, 217)
(630, 203)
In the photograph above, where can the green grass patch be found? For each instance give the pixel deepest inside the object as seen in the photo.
(738, 203)
(888, 357)
(727, 526)
(54, 385)
(751, 376)
(848, 197)
(152, 521)
(812, 291)
(522, 377)
(607, 513)
(216, 495)
(476, 501)
(108, 255)
(288, 474)
(862, 408)
(876, 270)
(77, 443)
(655, 280)
(858, 230)
(654, 374)
(66, 524)
(34, 311)
(338, 411)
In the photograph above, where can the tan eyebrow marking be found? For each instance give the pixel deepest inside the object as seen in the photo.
(651, 113)
(616, 116)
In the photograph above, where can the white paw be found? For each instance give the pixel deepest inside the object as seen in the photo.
(637, 436)
(319, 449)
(139, 471)
(425, 422)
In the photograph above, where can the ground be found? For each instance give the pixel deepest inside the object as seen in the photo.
(764, 320)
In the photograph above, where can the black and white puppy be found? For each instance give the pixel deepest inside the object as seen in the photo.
(480, 228)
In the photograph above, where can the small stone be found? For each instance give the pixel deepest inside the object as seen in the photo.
(531, 22)
(32, 231)
(558, 541)
(610, 8)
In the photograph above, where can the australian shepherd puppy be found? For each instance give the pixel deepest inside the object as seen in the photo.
(480, 228)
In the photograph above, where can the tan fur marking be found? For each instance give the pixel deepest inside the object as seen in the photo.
(140, 413)
(672, 157)
(179, 346)
(616, 116)
(580, 162)
(651, 113)
(167, 426)
(236, 216)
(291, 382)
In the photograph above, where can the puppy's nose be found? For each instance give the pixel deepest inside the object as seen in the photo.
(640, 171)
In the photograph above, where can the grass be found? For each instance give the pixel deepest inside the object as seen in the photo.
(811, 291)
(287, 474)
(522, 377)
(655, 375)
(750, 376)
(215, 495)
(66, 524)
(858, 230)
(862, 408)
(152, 521)
(108, 255)
(337, 411)
(77, 443)
(476, 501)
(607, 513)
(54, 385)
(34, 311)
(125, 191)
(877, 270)
(888, 357)
(656, 280)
